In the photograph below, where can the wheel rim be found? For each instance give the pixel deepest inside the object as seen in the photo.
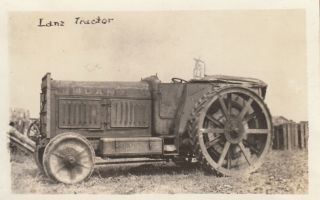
(69, 159)
(33, 131)
(235, 131)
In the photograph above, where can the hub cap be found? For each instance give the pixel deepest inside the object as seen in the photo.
(234, 130)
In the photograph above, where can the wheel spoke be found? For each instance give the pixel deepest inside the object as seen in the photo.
(58, 155)
(224, 108)
(236, 98)
(220, 118)
(215, 121)
(60, 168)
(79, 155)
(251, 147)
(212, 130)
(71, 174)
(82, 165)
(245, 153)
(229, 103)
(257, 131)
(229, 160)
(245, 108)
(249, 117)
(224, 153)
(212, 142)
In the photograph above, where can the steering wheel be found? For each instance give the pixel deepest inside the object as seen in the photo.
(178, 80)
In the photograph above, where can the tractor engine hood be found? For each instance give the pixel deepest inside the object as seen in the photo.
(138, 90)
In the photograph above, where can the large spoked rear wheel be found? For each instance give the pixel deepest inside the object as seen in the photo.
(232, 130)
(68, 158)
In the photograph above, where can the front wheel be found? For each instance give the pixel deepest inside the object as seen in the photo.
(68, 158)
(231, 130)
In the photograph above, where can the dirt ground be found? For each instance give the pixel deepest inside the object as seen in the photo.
(283, 172)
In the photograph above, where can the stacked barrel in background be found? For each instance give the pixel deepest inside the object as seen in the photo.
(289, 135)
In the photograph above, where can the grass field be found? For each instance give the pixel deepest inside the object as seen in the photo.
(283, 172)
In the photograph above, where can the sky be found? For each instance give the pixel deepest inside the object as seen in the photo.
(266, 44)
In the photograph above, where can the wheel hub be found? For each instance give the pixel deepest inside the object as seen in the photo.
(70, 160)
(234, 131)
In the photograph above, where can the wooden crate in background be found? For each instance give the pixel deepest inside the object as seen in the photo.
(291, 135)
(303, 131)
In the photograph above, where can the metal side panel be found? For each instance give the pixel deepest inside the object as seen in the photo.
(114, 147)
(79, 113)
(170, 98)
(130, 113)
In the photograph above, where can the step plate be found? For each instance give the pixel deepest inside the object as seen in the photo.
(119, 147)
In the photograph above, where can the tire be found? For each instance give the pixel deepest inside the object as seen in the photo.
(68, 158)
(230, 131)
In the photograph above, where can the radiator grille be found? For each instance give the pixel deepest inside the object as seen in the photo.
(130, 113)
(79, 113)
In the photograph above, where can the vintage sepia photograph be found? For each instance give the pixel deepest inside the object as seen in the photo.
(158, 102)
